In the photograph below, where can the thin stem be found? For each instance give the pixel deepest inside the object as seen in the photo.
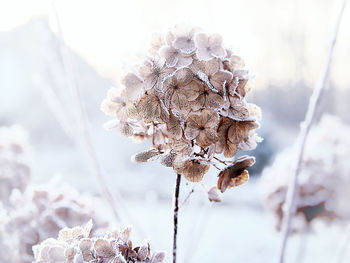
(188, 196)
(291, 197)
(176, 211)
(83, 123)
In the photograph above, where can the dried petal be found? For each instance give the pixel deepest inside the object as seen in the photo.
(235, 174)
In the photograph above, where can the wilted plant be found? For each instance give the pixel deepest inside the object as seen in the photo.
(14, 161)
(324, 177)
(77, 245)
(40, 212)
(187, 96)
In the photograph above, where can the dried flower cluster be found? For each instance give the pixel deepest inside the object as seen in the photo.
(14, 163)
(324, 179)
(187, 96)
(75, 245)
(40, 212)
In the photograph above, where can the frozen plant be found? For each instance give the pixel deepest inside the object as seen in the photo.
(76, 245)
(324, 179)
(187, 96)
(14, 162)
(40, 212)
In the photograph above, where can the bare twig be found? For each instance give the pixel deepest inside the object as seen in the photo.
(83, 123)
(86, 138)
(188, 196)
(291, 199)
(176, 211)
(343, 246)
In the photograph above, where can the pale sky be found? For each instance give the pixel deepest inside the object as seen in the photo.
(273, 36)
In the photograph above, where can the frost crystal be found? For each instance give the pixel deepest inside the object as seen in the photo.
(14, 163)
(76, 245)
(187, 97)
(324, 179)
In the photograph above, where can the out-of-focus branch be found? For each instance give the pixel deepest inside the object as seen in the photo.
(292, 193)
(84, 131)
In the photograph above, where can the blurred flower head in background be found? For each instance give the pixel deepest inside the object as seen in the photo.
(324, 179)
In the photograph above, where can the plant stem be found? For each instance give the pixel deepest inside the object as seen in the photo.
(292, 196)
(176, 211)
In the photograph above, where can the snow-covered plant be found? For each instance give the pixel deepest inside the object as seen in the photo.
(40, 212)
(76, 245)
(14, 162)
(187, 96)
(324, 179)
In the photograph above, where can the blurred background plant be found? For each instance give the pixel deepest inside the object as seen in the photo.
(283, 42)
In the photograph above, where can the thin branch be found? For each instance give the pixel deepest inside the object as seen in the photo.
(188, 196)
(176, 211)
(291, 198)
(72, 82)
(86, 138)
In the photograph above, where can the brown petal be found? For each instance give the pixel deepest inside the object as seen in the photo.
(238, 109)
(150, 109)
(174, 127)
(206, 137)
(104, 248)
(214, 101)
(194, 171)
(191, 90)
(235, 174)
(239, 130)
(230, 149)
(219, 78)
(180, 102)
(209, 118)
(194, 121)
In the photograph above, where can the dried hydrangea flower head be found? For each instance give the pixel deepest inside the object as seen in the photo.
(75, 245)
(324, 179)
(187, 96)
(40, 212)
(14, 162)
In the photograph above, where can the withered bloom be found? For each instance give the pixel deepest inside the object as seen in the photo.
(188, 99)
